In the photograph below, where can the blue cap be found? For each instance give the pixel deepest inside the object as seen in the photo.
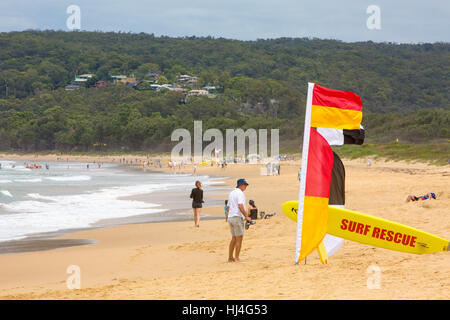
(240, 182)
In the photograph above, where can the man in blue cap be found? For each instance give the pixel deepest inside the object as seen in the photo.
(236, 216)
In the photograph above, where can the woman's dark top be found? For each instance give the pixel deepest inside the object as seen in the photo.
(254, 213)
(197, 198)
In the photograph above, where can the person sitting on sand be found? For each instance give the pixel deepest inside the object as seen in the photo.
(429, 195)
(252, 210)
(197, 200)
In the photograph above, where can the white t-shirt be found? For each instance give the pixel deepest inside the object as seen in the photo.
(236, 198)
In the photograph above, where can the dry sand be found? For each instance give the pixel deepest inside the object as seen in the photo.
(178, 261)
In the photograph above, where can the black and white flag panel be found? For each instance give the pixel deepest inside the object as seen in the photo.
(338, 137)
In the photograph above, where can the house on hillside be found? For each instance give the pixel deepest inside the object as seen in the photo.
(99, 84)
(117, 78)
(198, 93)
(179, 90)
(124, 80)
(187, 79)
(82, 79)
(148, 85)
(210, 89)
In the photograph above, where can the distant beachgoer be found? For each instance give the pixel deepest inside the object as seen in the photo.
(87, 166)
(195, 168)
(236, 216)
(252, 210)
(268, 168)
(197, 200)
(428, 196)
(226, 210)
(368, 162)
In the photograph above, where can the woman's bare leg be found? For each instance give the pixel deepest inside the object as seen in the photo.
(197, 212)
(195, 215)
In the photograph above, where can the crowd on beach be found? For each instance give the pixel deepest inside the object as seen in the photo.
(273, 169)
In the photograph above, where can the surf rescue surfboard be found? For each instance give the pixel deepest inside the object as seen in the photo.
(376, 232)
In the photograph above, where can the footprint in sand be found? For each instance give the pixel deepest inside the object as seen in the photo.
(139, 252)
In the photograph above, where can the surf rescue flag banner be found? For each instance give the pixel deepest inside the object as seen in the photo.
(325, 108)
(335, 109)
(317, 193)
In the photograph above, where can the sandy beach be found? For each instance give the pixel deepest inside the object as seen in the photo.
(175, 260)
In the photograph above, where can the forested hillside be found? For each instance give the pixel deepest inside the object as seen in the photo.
(262, 84)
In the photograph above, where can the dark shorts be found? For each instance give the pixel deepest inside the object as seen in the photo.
(196, 205)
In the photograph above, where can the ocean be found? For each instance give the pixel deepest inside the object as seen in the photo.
(68, 195)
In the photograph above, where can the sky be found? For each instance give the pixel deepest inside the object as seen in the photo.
(400, 21)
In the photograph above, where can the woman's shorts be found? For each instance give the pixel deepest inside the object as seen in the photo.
(196, 205)
(236, 226)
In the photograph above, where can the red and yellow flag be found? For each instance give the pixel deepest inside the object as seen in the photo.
(335, 109)
(317, 193)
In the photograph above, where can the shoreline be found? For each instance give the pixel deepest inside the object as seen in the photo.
(175, 212)
(175, 260)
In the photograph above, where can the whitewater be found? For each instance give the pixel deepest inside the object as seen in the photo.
(71, 196)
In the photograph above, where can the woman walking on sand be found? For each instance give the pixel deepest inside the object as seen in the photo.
(197, 200)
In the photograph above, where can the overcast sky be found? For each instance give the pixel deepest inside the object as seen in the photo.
(405, 21)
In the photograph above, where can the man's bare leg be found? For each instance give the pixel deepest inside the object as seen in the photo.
(231, 249)
(238, 247)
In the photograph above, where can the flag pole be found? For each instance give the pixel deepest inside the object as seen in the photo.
(304, 165)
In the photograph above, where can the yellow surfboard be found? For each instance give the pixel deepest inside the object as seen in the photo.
(376, 232)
